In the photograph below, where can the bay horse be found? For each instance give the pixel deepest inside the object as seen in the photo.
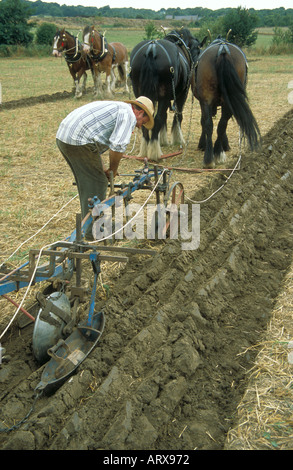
(161, 69)
(77, 61)
(106, 57)
(220, 80)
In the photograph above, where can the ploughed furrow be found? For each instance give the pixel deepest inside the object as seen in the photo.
(171, 365)
(32, 100)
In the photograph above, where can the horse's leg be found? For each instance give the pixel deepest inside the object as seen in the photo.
(154, 148)
(164, 135)
(123, 70)
(124, 66)
(207, 126)
(222, 144)
(72, 73)
(143, 151)
(97, 82)
(202, 140)
(108, 85)
(84, 79)
(113, 79)
(108, 72)
(76, 79)
(177, 136)
(80, 87)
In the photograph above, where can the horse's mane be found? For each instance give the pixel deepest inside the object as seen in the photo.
(182, 34)
(86, 30)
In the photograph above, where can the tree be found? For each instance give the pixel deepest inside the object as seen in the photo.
(45, 33)
(152, 32)
(282, 36)
(242, 23)
(14, 28)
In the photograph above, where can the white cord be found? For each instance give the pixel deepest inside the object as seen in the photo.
(221, 187)
(135, 215)
(56, 243)
(30, 283)
(30, 238)
(236, 167)
(26, 292)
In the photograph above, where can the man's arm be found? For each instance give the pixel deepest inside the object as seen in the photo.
(114, 158)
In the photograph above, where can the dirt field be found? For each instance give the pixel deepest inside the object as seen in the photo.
(181, 327)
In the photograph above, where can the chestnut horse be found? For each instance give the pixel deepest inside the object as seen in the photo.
(106, 58)
(161, 70)
(77, 61)
(220, 80)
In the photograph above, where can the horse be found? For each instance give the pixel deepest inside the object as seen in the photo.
(106, 58)
(161, 69)
(78, 62)
(220, 80)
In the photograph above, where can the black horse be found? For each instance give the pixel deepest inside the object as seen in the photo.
(161, 70)
(220, 80)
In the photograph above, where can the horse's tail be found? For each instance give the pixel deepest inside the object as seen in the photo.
(149, 76)
(235, 97)
(121, 72)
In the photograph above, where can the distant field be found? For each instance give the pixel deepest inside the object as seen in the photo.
(130, 32)
(25, 77)
(130, 37)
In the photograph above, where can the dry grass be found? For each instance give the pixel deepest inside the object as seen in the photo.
(265, 414)
(36, 183)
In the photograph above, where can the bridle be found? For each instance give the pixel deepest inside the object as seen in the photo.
(96, 53)
(64, 42)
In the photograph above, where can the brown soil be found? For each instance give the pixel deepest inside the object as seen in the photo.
(169, 371)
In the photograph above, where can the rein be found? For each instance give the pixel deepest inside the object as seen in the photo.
(182, 42)
(69, 56)
(96, 53)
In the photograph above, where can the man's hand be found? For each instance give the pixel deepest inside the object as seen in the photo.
(107, 173)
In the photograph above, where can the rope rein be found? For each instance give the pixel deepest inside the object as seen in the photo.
(236, 167)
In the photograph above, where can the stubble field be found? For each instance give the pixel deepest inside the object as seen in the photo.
(172, 368)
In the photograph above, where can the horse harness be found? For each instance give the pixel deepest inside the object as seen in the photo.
(223, 49)
(154, 43)
(104, 51)
(77, 56)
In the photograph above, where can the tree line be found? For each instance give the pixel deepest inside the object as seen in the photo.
(239, 22)
(275, 17)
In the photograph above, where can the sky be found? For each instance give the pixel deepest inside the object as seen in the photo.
(158, 4)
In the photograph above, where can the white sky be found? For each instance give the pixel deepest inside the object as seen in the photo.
(158, 4)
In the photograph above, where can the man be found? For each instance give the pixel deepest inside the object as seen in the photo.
(92, 129)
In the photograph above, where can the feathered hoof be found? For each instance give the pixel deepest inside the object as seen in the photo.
(221, 158)
(154, 158)
(208, 166)
(109, 94)
(154, 151)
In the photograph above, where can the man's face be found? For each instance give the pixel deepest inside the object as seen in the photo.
(141, 117)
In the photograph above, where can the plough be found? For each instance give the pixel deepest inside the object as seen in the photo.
(60, 340)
